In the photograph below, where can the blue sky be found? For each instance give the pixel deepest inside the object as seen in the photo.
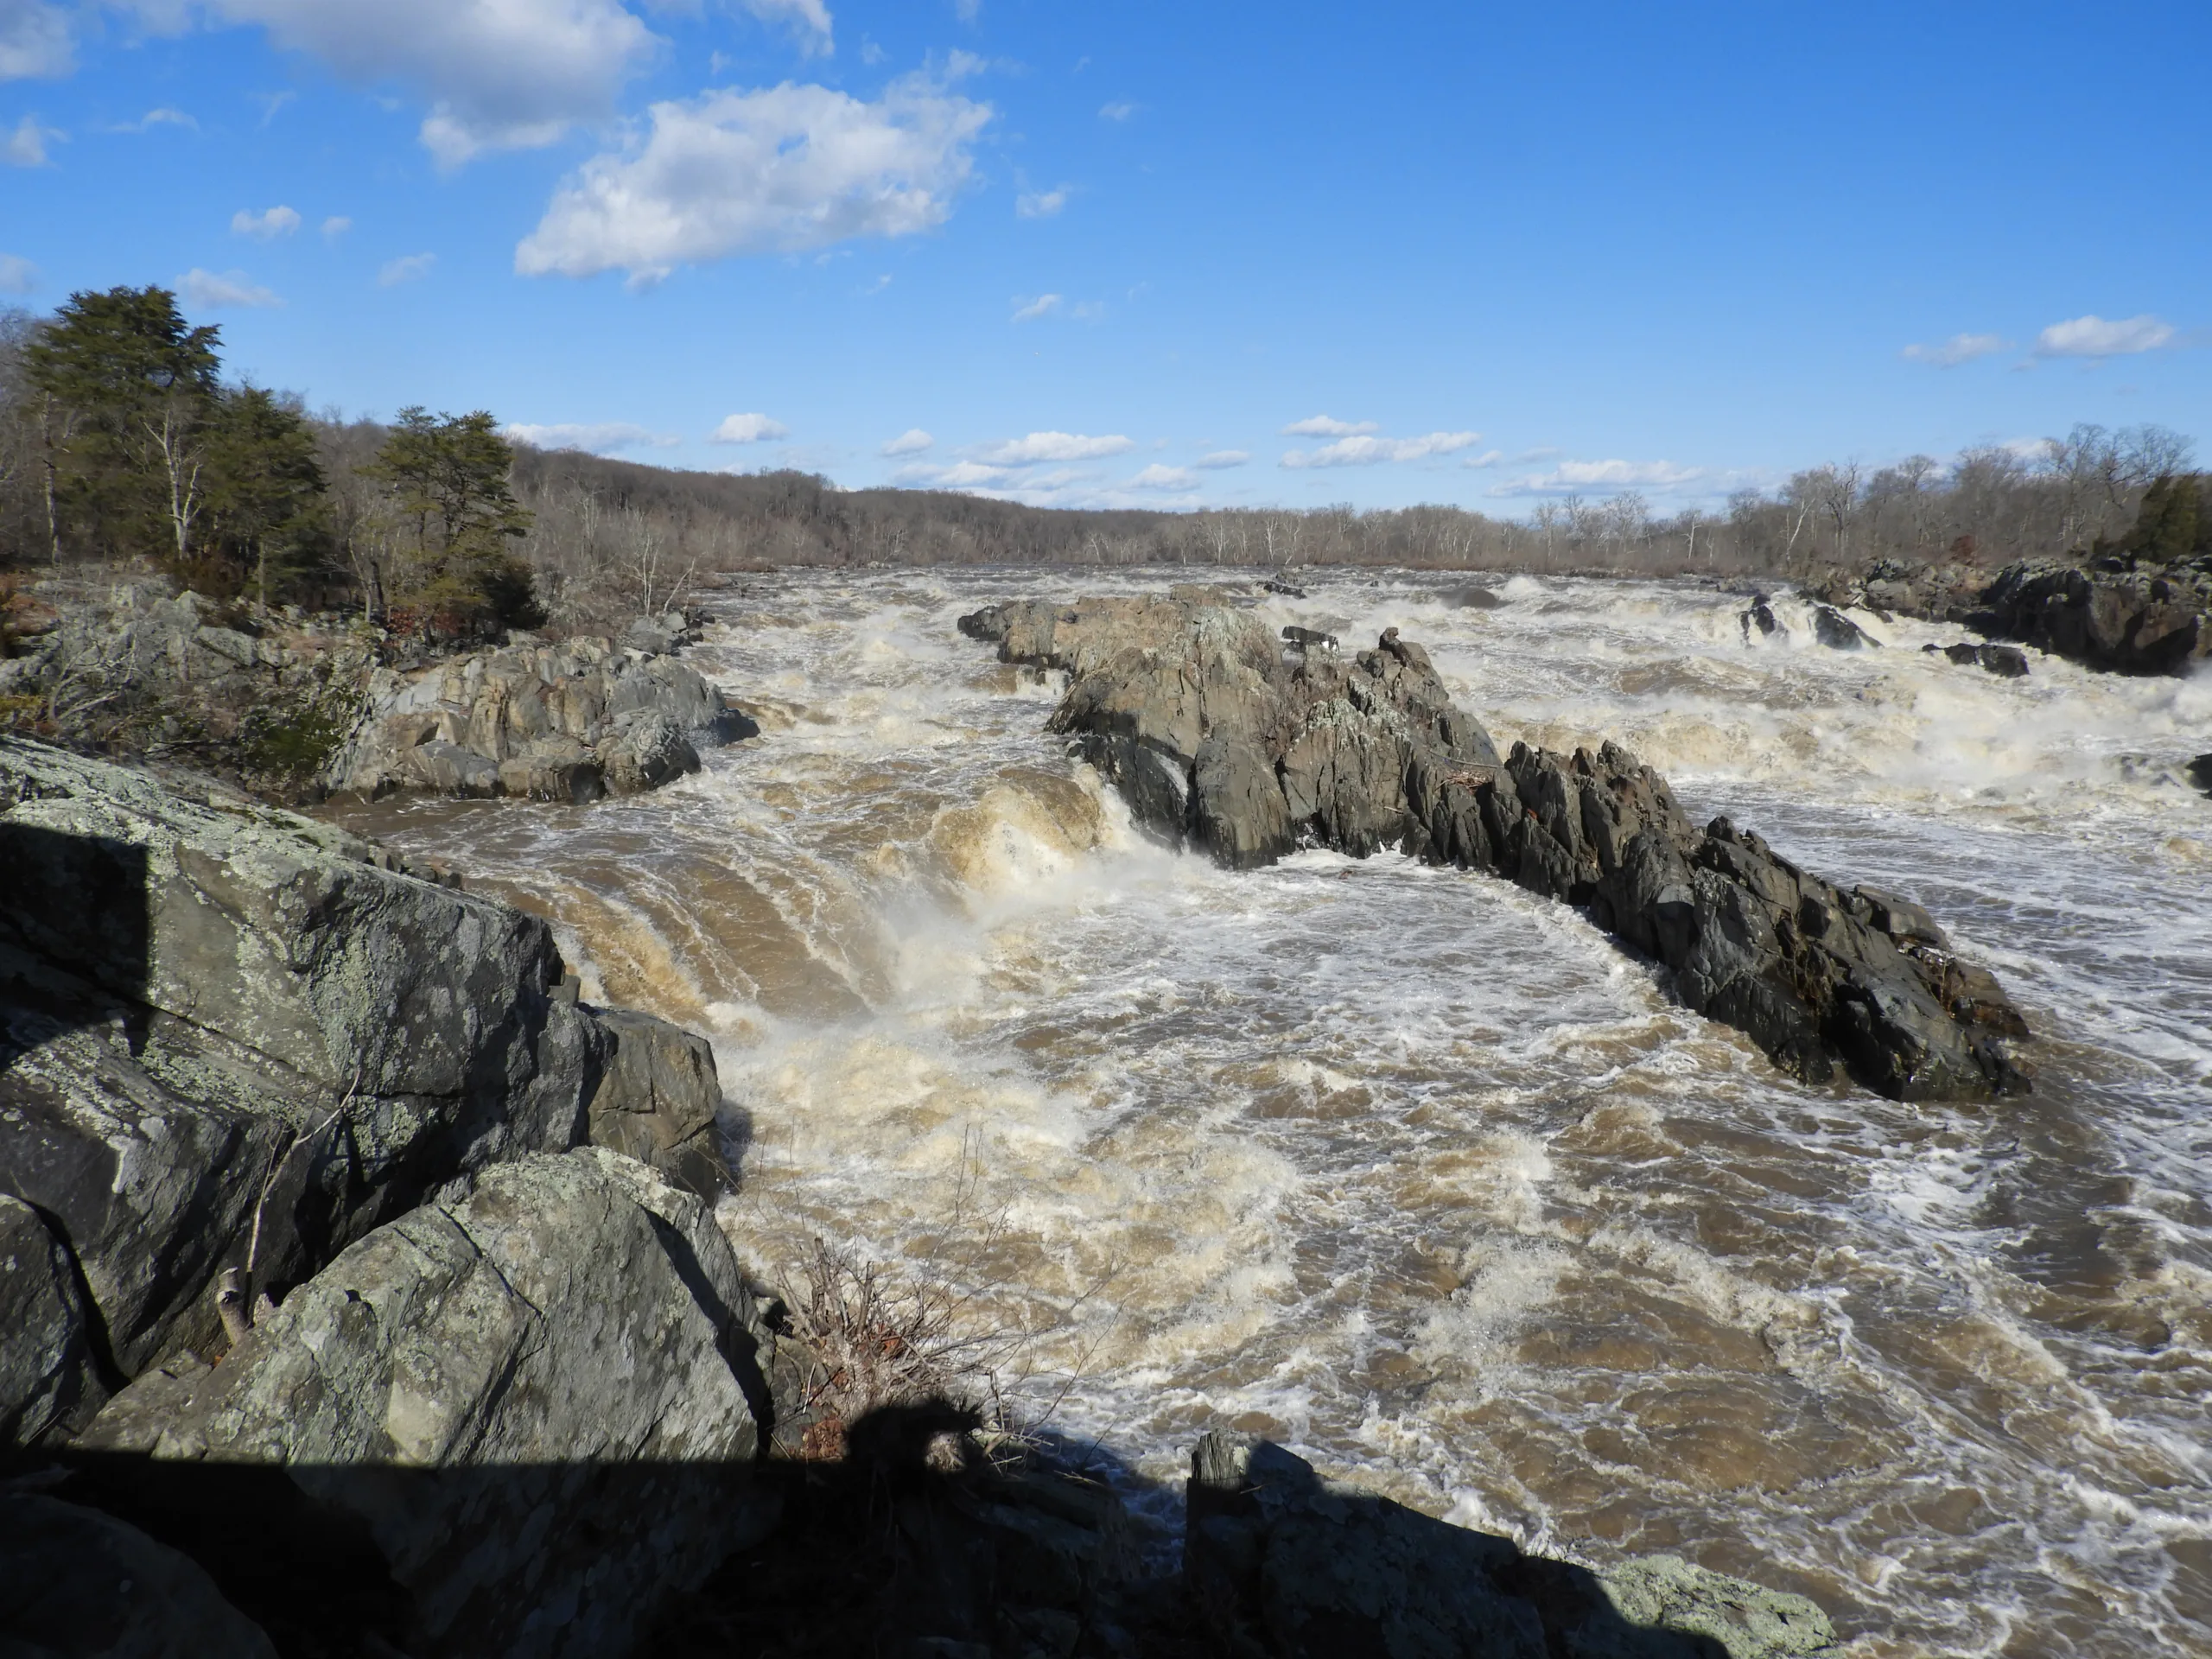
(1075, 254)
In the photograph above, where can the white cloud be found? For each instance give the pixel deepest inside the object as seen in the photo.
(1320, 426)
(809, 20)
(335, 226)
(164, 117)
(782, 171)
(1157, 477)
(597, 438)
(1041, 204)
(968, 10)
(408, 268)
(1043, 306)
(34, 41)
(264, 227)
(1053, 445)
(500, 75)
(961, 475)
(1488, 458)
(1959, 348)
(1369, 452)
(1116, 112)
(17, 275)
(1571, 476)
(26, 145)
(911, 442)
(2092, 336)
(208, 290)
(748, 429)
(1221, 458)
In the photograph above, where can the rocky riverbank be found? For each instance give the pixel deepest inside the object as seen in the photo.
(364, 1292)
(1222, 736)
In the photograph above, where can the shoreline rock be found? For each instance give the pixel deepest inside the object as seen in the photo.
(1216, 741)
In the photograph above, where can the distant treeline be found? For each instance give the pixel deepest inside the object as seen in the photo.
(121, 441)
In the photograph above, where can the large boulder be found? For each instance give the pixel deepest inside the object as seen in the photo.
(231, 1037)
(1282, 1564)
(537, 1404)
(569, 722)
(1215, 740)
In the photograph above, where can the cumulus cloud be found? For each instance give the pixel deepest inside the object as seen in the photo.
(264, 227)
(1321, 426)
(1959, 348)
(208, 290)
(499, 74)
(1370, 451)
(34, 41)
(1571, 476)
(408, 268)
(17, 275)
(596, 438)
(26, 145)
(911, 442)
(808, 19)
(1053, 445)
(1157, 477)
(1220, 458)
(782, 171)
(748, 429)
(1043, 306)
(2092, 336)
(1041, 204)
(335, 226)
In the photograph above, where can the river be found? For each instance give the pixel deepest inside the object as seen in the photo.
(1423, 1175)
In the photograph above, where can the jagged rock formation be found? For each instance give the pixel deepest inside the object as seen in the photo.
(1838, 631)
(2120, 614)
(2006, 662)
(1282, 1564)
(233, 1038)
(1185, 704)
(568, 722)
(573, 1314)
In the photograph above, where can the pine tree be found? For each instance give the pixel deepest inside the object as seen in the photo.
(450, 473)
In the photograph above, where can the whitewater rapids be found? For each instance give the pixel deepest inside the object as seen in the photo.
(1421, 1175)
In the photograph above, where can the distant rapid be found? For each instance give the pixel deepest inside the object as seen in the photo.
(1423, 1175)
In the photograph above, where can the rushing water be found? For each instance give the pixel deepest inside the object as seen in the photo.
(1421, 1175)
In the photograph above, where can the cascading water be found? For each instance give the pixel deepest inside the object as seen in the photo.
(1421, 1175)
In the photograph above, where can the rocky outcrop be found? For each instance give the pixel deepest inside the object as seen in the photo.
(79, 1582)
(1282, 1564)
(2200, 772)
(2006, 662)
(568, 722)
(574, 1317)
(1838, 631)
(1215, 740)
(2116, 612)
(233, 1038)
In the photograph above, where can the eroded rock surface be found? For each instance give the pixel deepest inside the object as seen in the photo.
(568, 723)
(1282, 1564)
(574, 1352)
(1186, 705)
(229, 1032)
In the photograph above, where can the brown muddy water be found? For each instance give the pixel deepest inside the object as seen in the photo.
(1419, 1174)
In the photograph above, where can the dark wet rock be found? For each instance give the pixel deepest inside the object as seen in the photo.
(573, 1313)
(2006, 662)
(44, 1357)
(2200, 772)
(568, 723)
(1285, 588)
(1185, 705)
(227, 1031)
(1471, 598)
(1305, 639)
(987, 625)
(1278, 1562)
(78, 1584)
(1759, 614)
(1838, 631)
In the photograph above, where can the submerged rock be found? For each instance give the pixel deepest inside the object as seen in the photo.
(1280, 1562)
(233, 1038)
(1187, 706)
(537, 1405)
(568, 723)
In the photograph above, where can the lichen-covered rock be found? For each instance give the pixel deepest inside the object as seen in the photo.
(228, 1033)
(78, 1584)
(568, 723)
(1282, 1564)
(657, 1100)
(573, 1315)
(42, 1358)
(1187, 706)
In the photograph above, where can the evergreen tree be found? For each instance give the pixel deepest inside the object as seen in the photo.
(2174, 522)
(450, 476)
(266, 491)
